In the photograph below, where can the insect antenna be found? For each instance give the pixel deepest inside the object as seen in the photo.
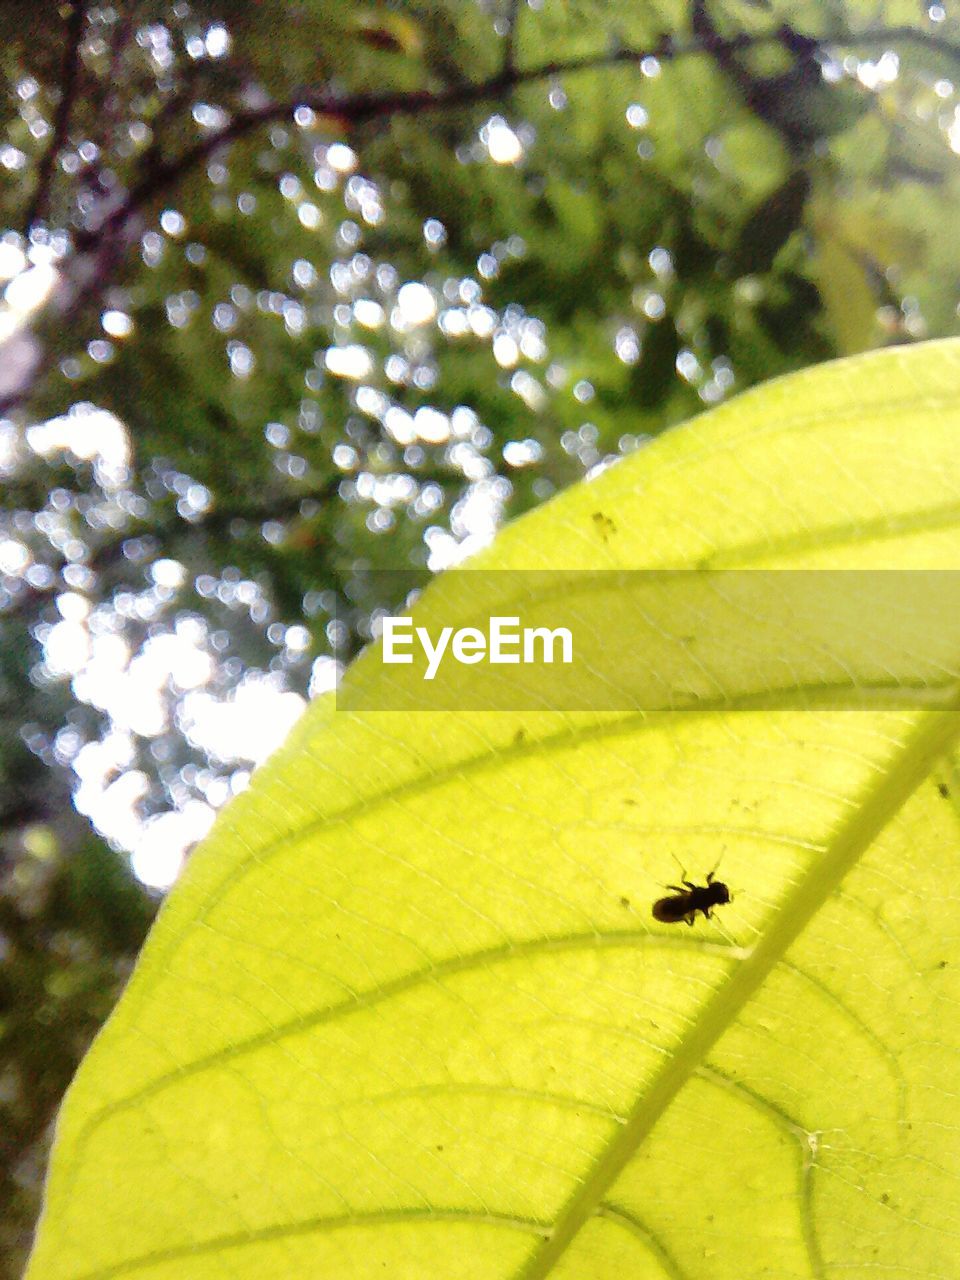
(716, 865)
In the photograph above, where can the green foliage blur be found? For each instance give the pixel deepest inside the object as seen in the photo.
(299, 292)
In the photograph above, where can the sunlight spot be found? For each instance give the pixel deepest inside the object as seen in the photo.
(324, 676)
(522, 453)
(341, 158)
(30, 289)
(654, 307)
(661, 262)
(168, 573)
(352, 361)
(529, 390)
(297, 638)
(416, 303)
(12, 157)
(876, 75)
(627, 345)
(12, 260)
(217, 41)
(160, 849)
(242, 359)
(368, 313)
(66, 648)
(431, 425)
(87, 432)
(434, 232)
(503, 145)
(117, 323)
(14, 557)
(72, 606)
(248, 725)
(172, 222)
(505, 351)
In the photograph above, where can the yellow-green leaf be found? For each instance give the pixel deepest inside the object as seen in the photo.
(844, 286)
(408, 1015)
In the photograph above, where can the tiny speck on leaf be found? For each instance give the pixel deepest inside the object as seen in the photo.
(944, 790)
(605, 526)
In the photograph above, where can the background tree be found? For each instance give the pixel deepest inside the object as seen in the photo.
(298, 293)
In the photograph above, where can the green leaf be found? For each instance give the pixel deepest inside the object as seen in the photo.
(848, 300)
(408, 1014)
(770, 225)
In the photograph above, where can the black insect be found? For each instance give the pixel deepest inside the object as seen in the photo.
(688, 898)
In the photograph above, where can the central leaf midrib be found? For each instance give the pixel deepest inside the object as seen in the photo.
(935, 735)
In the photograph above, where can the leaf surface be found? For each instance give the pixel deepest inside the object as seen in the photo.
(408, 1013)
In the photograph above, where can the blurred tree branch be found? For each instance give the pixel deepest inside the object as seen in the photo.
(99, 247)
(361, 108)
(510, 37)
(69, 80)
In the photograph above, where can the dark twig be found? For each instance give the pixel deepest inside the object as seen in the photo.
(510, 37)
(69, 78)
(106, 93)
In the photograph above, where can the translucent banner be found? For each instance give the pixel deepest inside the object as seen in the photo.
(669, 640)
